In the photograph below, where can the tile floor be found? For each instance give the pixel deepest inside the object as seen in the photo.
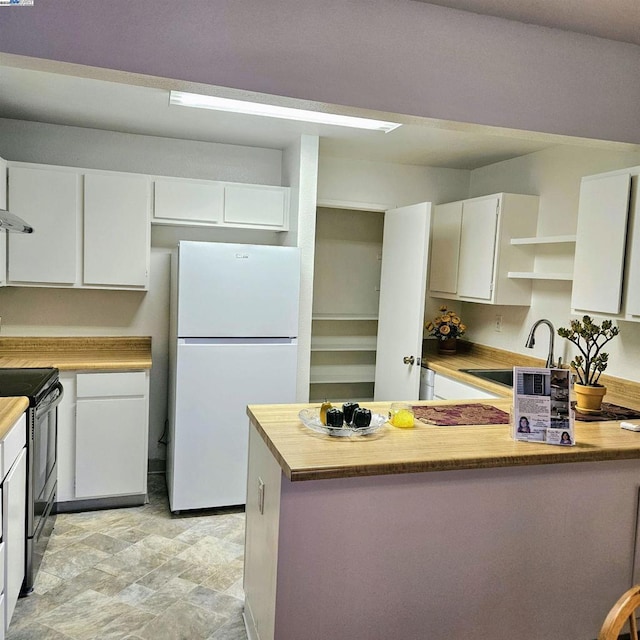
(138, 574)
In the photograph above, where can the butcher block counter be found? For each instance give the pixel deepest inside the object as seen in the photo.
(622, 392)
(436, 532)
(77, 353)
(305, 455)
(70, 354)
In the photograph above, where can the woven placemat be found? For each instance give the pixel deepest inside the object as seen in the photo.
(609, 412)
(461, 414)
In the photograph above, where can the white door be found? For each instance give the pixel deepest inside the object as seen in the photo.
(405, 247)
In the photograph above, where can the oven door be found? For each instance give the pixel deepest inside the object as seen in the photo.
(44, 441)
(42, 449)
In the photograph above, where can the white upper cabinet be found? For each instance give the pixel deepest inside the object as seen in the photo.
(446, 221)
(471, 251)
(3, 233)
(49, 200)
(478, 248)
(256, 206)
(601, 237)
(91, 228)
(198, 203)
(606, 278)
(192, 202)
(117, 241)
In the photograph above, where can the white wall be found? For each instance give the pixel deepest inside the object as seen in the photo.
(388, 185)
(553, 174)
(45, 312)
(398, 56)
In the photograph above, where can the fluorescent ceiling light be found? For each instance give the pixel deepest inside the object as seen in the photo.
(271, 111)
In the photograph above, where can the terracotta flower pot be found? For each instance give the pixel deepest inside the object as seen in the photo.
(448, 346)
(589, 399)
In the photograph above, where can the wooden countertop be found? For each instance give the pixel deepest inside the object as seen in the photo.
(77, 353)
(622, 392)
(10, 410)
(306, 455)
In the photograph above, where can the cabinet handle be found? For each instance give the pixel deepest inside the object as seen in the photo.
(408, 359)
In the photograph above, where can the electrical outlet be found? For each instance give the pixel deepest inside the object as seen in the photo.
(498, 324)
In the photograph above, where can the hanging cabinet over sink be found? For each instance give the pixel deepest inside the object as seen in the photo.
(471, 250)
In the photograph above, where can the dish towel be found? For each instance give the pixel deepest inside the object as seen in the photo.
(461, 414)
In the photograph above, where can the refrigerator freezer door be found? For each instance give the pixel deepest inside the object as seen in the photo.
(235, 290)
(216, 380)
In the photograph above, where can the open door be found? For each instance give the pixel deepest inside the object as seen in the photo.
(405, 249)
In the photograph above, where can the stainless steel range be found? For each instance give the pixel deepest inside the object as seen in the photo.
(44, 391)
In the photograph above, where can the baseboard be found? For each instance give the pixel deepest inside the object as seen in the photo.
(100, 503)
(249, 623)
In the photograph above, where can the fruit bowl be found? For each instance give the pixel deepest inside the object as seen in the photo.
(311, 419)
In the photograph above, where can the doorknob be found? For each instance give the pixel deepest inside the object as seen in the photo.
(408, 359)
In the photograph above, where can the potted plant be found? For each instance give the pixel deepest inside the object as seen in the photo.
(446, 328)
(589, 337)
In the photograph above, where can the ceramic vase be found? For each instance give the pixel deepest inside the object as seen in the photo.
(589, 399)
(448, 345)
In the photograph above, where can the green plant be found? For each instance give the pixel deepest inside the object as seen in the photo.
(589, 337)
(446, 325)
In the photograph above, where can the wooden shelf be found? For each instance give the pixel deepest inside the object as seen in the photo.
(342, 373)
(343, 343)
(532, 275)
(344, 316)
(544, 240)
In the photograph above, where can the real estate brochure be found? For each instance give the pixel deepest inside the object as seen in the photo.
(542, 407)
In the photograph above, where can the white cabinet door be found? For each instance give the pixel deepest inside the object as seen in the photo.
(477, 248)
(116, 230)
(111, 447)
(600, 244)
(188, 201)
(446, 225)
(445, 388)
(3, 234)
(13, 531)
(632, 301)
(256, 206)
(402, 291)
(49, 200)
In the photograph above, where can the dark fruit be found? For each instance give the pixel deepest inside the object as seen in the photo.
(361, 418)
(335, 418)
(348, 408)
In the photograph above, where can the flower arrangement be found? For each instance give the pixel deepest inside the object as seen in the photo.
(447, 325)
(589, 337)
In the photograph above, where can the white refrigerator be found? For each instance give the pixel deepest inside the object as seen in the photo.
(234, 326)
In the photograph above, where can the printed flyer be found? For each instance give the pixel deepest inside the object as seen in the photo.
(542, 407)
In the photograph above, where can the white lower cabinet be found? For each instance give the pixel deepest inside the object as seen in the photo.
(103, 424)
(14, 497)
(445, 388)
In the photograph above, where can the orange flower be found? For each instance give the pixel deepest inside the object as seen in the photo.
(445, 330)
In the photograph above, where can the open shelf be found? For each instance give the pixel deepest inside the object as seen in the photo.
(544, 240)
(343, 343)
(343, 316)
(532, 275)
(324, 373)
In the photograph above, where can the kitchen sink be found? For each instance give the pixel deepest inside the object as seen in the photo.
(501, 376)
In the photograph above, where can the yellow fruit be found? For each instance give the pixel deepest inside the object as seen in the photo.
(323, 411)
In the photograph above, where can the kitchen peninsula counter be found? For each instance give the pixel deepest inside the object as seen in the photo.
(305, 455)
(10, 410)
(436, 532)
(77, 353)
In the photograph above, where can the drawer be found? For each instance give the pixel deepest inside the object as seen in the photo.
(12, 444)
(96, 385)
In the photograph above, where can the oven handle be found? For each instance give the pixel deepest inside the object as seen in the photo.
(51, 401)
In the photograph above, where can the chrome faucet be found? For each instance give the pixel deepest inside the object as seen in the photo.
(531, 340)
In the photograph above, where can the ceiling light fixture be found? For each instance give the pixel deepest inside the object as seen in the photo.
(184, 99)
